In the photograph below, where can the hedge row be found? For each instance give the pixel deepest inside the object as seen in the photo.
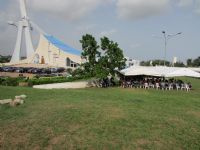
(7, 81)
(49, 80)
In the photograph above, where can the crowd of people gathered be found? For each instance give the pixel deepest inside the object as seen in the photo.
(156, 83)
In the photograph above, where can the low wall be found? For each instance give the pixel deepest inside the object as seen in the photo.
(15, 75)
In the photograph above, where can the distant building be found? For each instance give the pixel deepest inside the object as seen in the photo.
(131, 62)
(175, 60)
(53, 52)
(50, 51)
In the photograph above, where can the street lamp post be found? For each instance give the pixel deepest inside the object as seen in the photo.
(166, 38)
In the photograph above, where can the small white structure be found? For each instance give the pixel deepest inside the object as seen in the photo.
(131, 62)
(175, 60)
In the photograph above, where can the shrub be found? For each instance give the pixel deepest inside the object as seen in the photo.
(8, 81)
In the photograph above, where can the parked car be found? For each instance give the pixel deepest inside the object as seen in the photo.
(25, 70)
(19, 70)
(46, 71)
(60, 69)
(54, 70)
(29, 70)
(8, 69)
(36, 71)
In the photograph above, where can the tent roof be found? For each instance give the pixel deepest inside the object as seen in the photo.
(183, 72)
(160, 71)
(62, 46)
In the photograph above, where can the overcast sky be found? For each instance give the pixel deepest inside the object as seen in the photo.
(135, 24)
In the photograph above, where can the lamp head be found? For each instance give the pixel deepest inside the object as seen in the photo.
(12, 23)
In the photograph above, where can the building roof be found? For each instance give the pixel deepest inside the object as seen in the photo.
(62, 46)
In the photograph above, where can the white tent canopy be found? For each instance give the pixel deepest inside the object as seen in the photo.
(160, 71)
(183, 72)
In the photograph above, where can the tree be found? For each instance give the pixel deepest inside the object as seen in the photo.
(196, 62)
(90, 53)
(99, 64)
(156, 62)
(193, 63)
(113, 58)
(5, 59)
(179, 64)
(189, 62)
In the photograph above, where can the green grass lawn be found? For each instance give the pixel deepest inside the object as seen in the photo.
(113, 118)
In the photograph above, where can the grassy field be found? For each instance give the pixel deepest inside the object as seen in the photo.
(113, 118)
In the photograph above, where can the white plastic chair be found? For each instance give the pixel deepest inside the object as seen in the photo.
(170, 87)
(146, 86)
(157, 86)
(187, 87)
(177, 87)
(183, 87)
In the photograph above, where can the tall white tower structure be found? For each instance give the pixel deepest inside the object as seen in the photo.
(24, 27)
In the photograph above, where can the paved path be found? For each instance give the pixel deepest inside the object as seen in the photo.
(66, 85)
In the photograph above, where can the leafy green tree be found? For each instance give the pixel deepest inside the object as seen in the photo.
(156, 62)
(113, 56)
(196, 62)
(179, 64)
(101, 64)
(102, 70)
(90, 53)
(193, 63)
(145, 63)
(5, 59)
(189, 62)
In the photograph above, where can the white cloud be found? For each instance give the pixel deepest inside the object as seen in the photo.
(135, 45)
(134, 9)
(108, 33)
(185, 3)
(197, 7)
(8, 33)
(85, 28)
(70, 9)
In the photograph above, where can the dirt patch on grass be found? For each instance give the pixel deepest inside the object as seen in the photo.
(142, 142)
(74, 128)
(69, 106)
(176, 121)
(36, 148)
(196, 114)
(1, 141)
(114, 112)
(57, 140)
(13, 136)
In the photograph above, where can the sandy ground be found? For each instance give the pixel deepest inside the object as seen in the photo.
(67, 85)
